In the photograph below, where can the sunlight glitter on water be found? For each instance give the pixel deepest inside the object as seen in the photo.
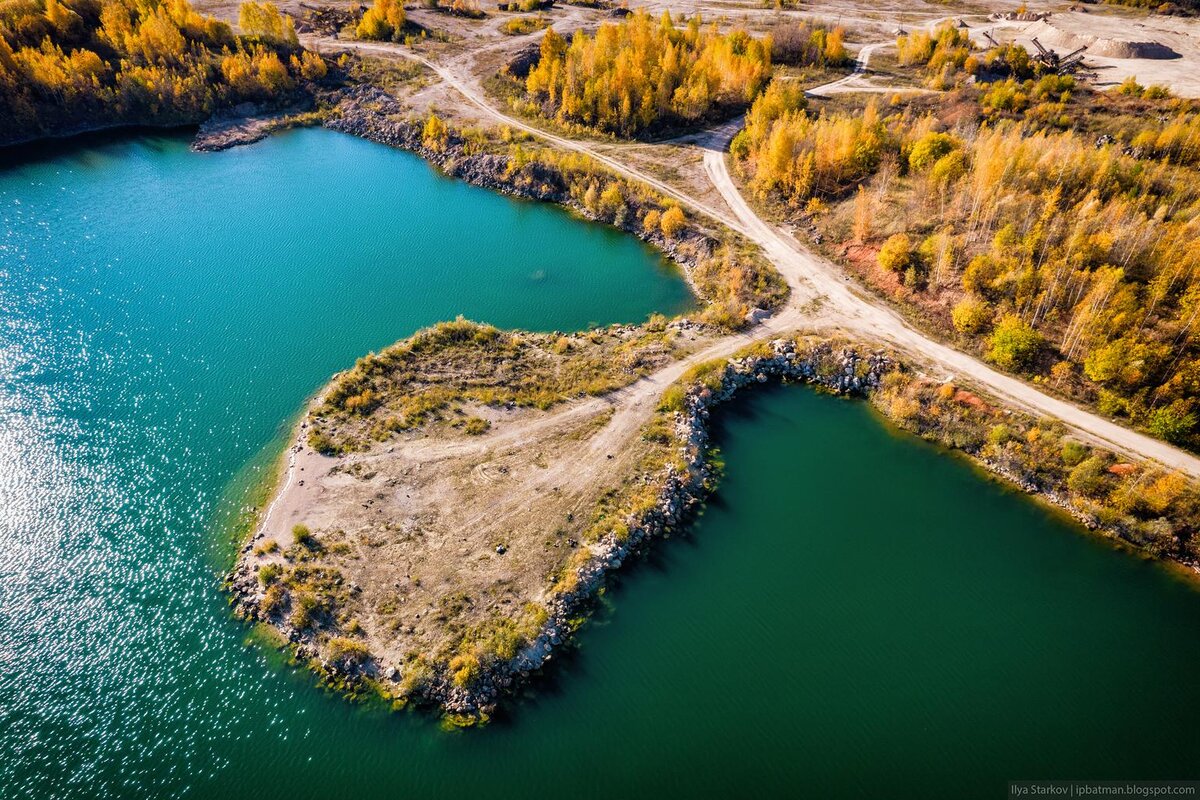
(154, 336)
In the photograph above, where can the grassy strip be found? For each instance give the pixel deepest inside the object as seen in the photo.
(431, 375)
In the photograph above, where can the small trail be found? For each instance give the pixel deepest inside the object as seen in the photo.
(811, 277)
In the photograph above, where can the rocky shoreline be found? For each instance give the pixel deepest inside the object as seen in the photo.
(370, 113)
(681, 494)
(246, 123)
(836, 367)
(839, 370)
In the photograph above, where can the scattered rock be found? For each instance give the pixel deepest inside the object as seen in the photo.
(245, 123)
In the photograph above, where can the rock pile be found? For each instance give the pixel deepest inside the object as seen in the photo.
(1105, 46)
(245, 123)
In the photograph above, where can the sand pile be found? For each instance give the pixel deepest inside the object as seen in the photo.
(1051, 36)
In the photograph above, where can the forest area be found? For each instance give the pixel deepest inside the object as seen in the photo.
(640, 75)
(1052, 230)
(72, 65)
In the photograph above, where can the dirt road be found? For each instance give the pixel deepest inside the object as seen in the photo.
(811, 277)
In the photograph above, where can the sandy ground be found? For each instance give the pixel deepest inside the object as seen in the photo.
(1174, 41)
(420, 520)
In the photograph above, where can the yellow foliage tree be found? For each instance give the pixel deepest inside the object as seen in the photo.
(138, 61)
(627, 77)
(383, 21)
(263, 20)
(435, 135)
(672, 222)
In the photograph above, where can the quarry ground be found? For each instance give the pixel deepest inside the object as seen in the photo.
(416, 523)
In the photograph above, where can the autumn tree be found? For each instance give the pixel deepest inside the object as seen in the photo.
(929, 149)
(672, 222)
(862, 215)
(264, 22)
(385, 20)
(971, 315)
(943, 54)
(896, 255)
(435, 134)
(792, 155)
(1014, 343)
(808, 44)
(1026, 237)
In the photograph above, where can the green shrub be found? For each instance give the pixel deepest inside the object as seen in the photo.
(929, 149)
(1006, 95)
(1090, 477)
(269, 546)
(1000, 434)
(476, 426)
(269, 573)
(1130, 87)
(672, 399)
(658, 432)
(1111, 403)
(319, 441)
(1014, 344)
(304, 607)
(347, 652)
(464, 669)
(273, 600)
(710, 373)
(301, 535)
(519, 26)
(949, 168)
(1173, 423)
(1073, 452)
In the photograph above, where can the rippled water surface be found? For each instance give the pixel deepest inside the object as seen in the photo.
(855, 615)
(163, 315)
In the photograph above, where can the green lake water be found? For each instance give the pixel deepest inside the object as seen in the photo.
(855, 615)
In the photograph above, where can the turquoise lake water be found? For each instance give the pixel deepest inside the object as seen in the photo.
(855, 615)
